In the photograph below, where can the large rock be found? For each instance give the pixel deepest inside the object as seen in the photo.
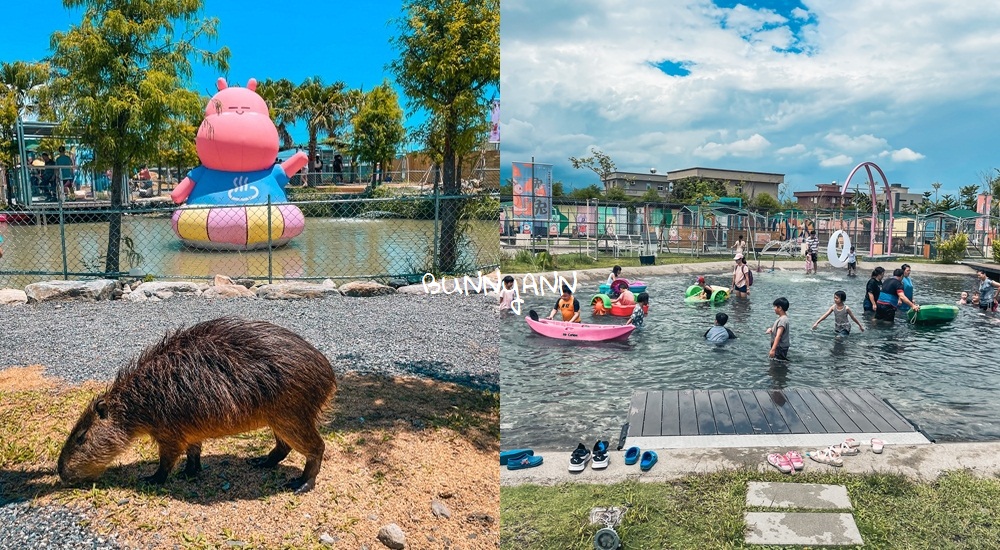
(413, 289)
(228, 291)
(166, 289)
(364, 289)
(92, 291)
(296, 290)
(392, 536)
(12, 296)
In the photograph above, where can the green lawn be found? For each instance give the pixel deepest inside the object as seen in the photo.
(706, 511)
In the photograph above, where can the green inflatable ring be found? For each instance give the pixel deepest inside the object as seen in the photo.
(604, 298)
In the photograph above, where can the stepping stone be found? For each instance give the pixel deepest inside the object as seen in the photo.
(798, 495)
(802, 528)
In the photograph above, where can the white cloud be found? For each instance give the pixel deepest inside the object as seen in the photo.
(906, 155)
(750, 147)
(796, 149)
(839, 160)
(876, 74)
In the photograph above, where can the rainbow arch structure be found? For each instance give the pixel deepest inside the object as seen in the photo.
(888, 201)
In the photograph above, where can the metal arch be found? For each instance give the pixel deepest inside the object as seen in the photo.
(888, 202)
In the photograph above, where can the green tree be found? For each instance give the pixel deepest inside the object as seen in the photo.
(22, 87)
(616, 194)
(598, 162)
(280, 98)
(763, 201)
(590, 192)
(121, 73)
(558, 190)
(695, 190)
(378, 126)
(321, 107)
(449, 61)
(650, 196)
(947, 202)
(967, 196)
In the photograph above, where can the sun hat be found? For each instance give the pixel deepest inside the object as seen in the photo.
(701, 279)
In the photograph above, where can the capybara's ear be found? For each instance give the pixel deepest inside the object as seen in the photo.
(252, 84)
(101, 407)
(220, 83)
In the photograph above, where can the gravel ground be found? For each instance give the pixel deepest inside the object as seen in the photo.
(449, 338)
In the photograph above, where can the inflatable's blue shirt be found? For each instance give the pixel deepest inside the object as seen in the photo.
(216, 187)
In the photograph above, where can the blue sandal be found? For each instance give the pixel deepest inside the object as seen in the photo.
(525, 461)
(514, 454)
(632, 456)
(648, 459)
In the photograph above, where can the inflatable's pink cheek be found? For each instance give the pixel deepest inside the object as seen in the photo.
(237, 142)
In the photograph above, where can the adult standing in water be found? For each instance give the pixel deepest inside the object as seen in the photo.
(889, 298)
(987, 292)
(907, 287)
(741, 279)
(873, 289)
(740, 246)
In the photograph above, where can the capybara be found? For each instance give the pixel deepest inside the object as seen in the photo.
(216, 378)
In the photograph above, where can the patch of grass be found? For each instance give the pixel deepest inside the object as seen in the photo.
(958, 510)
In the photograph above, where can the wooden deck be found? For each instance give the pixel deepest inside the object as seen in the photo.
(750, 418)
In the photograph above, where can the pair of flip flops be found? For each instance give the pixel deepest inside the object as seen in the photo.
(646, 460)
(877, 445)
(518, 459)
(787, 463)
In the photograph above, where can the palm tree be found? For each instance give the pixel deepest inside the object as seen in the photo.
(321, 107)
(936, 185)
(22, 92)
(280, 96)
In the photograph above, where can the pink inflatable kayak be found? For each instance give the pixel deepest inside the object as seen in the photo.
(579, 331)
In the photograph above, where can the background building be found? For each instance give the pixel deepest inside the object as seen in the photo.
(636, 184)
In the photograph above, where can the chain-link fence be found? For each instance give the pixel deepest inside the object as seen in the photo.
(372, 238)
(599, 228)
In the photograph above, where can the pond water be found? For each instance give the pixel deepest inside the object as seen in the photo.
(328, 247)
(945, 378)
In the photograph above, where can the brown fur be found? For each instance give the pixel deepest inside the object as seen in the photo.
(217, 378)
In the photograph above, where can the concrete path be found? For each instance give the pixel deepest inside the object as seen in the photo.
(920, 462)
(804, 526)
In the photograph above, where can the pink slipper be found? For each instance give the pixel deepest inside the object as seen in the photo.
(877, 445)
(780, 462)
(846, 449)
(795, 459)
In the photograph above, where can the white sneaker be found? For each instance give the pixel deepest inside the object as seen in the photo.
(581, 456)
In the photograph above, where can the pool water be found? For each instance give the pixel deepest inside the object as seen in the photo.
(945, 378)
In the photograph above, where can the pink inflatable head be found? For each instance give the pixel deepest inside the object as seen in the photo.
(237, 134)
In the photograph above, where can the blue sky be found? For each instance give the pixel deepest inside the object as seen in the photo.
(808, 89)
(335, 40)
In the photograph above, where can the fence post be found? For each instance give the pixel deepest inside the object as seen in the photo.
(437, 224)
(62, 235)
(270, 249)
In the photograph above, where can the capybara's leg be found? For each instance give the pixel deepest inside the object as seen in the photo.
(193, 466)
(170, 451)
(306, 440)
(273, 458)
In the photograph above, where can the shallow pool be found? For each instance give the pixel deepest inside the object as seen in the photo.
(945, 378)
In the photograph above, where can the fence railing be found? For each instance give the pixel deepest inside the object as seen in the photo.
(399, 237)
(598, 228)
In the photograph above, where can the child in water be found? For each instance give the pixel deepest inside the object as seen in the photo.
(507, 293)
(616, 273)
(625, 297)
(780, 340)
(567, 306)
(852, 264)
(964, 300)
(842, 315)
(638, 317)
(706, 290)
(719, 334)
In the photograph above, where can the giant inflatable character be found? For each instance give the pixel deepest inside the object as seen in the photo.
(227, 196)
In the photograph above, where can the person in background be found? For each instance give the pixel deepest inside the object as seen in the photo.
(49, 176)
(338, 169)
(907, 287)
(852, 264)
(508, 293)
(719, 333)
(66, 173)
(741, 277)
(706, 289)
(964, 299)
(873, 288)
(987, 292)
(739, 248)
(890, 297)
(813, 243)
(616, 273)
